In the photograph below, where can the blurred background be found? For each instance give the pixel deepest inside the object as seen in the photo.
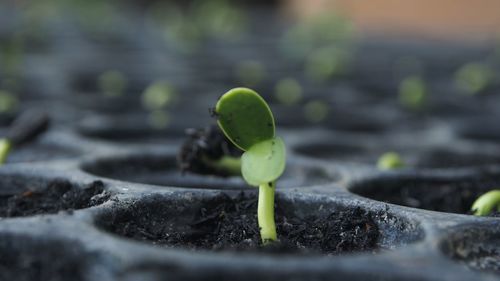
(143, 71)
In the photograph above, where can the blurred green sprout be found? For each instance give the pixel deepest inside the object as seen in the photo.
(8, 102)
(390, 161)
(220, 18)
(250, 73)
(288, 91)
(247, 121)
(326, 63)
(11, 56)
(158, 95)
(487, 203)
(412, 93)
(311, 34)
(316, 111)
(472, 78)
(189, 26)
(112, 83)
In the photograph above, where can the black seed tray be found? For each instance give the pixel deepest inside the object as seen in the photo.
(100, 197)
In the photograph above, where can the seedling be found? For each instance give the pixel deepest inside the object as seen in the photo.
(112, 83)
(326, 63)
(250, 73)
(390, 161)
(219, 18)
(8, 102)
(158, 95)
(317, 32)
(11, 56)
(247, 121)
(316, 111)
(474, 77)
(412, 93)
(487, 203)
(288, 91)
(25, 129)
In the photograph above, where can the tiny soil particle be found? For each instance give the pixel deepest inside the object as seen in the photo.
(56, 196)
(202, 145)
(224, 223)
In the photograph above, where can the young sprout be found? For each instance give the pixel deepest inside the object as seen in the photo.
(412, 92)
(247, 121)
(390, 161)
(474, 77)
(288, 91)
(158, 95)
(8, 102)
(487, 203)
(220, 18)
(11, 55)
(317, 32)
(112, 83)
(326, 63)
(26, 128)
(316, 111)
(250, 73)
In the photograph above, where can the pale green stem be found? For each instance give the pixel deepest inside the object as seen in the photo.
(227, 163)
(485, 204)
(265, 213)
(5, 147)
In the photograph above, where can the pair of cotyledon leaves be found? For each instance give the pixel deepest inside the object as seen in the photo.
(246, 119)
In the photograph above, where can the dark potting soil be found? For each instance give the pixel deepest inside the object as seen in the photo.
(224, 223)
(452, 196)
(56, 196)
(202, 145)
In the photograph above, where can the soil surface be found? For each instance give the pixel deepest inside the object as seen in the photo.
(56, 196)
(452, 196)
(202, 146)
(224, 223)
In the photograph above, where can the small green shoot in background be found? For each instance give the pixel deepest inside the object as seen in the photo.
(487, 204)
(288, 91)
(316, 111)
(250, 73)
(158, 95)
(156, 98)
(8, 102)
(473, 78)
(390, 161)
(413, 93)
(112, 83)
(326, 63)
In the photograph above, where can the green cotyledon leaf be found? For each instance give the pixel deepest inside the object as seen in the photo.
(244, 117)
(264, 162)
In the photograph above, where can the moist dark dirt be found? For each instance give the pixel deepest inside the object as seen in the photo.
(452, 196)
(203, 146)
(57, 195)
(225, 223)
